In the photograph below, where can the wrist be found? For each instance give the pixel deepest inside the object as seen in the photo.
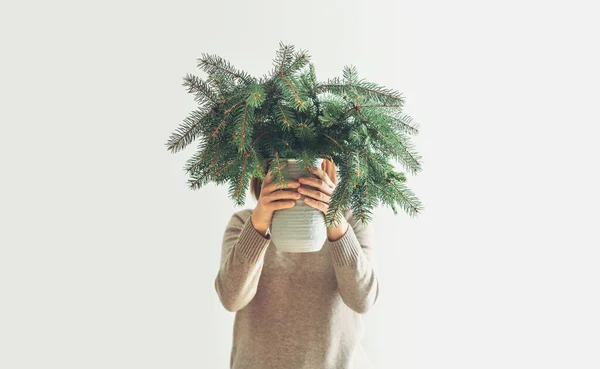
(338, 231)
(259, 226)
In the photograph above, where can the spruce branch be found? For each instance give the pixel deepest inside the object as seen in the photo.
(202, 90)
(189, 130)
(369, 90)
(405, 123)
(405, 198)
(214, 65)
(243, 123)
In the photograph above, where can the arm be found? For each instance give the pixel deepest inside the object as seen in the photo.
(353, 260)
(242, 255)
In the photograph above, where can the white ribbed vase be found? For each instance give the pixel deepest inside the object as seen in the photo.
(300, 228)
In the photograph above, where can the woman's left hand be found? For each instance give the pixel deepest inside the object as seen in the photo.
(320, 196)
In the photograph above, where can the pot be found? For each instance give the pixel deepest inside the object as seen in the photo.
(300, 228)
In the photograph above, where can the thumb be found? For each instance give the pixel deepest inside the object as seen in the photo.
(268, 178)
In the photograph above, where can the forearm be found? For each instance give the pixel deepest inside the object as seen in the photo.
(357, 282)
(238, 276)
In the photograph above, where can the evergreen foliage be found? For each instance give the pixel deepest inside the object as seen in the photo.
(242, 120)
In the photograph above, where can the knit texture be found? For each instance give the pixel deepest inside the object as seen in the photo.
(297, 310)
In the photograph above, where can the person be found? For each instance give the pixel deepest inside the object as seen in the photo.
(297, 310)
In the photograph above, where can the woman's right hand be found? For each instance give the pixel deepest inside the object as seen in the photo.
(272, 198)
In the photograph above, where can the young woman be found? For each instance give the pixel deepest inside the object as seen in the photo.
(297, 310)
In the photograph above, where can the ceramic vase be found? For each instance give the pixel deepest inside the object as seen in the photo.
(300, 228)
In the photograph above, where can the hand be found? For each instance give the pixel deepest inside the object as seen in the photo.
(272, 198)
(320, 197)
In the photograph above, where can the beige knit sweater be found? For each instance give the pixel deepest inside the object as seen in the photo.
(297, 310)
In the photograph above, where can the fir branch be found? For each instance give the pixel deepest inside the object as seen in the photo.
(289, 112)
(286, 117)
(213, 160)
(380, 106)
(278, 173)
(409, 159)
(288, 62)
(295, 93)
(197, 159)
(195, 183)
(362, 210)
(284, 51)
(241, 181)
(244, 124)
(412, 164)
(202, 90)
(216, 130)
(259, 166)
(405, 123)
(371, 90)
(409, 201)
(189, 129)
(334, 141)
(214, 64)
(350, 75)
(216, 174)
(337, 201)
(234, 106)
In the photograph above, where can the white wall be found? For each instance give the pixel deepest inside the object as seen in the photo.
(107, 260)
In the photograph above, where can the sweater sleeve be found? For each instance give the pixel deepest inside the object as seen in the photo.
(242, 256)
(354, 263)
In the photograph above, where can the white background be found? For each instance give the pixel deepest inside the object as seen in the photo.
(107, 259)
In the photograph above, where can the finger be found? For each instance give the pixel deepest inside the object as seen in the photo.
(268, 179)
(283, 195)
(317, 183)
(331, 170)
(273, 187)
(315, 194)
(284, 204)
(317, 204)
(323, 176)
